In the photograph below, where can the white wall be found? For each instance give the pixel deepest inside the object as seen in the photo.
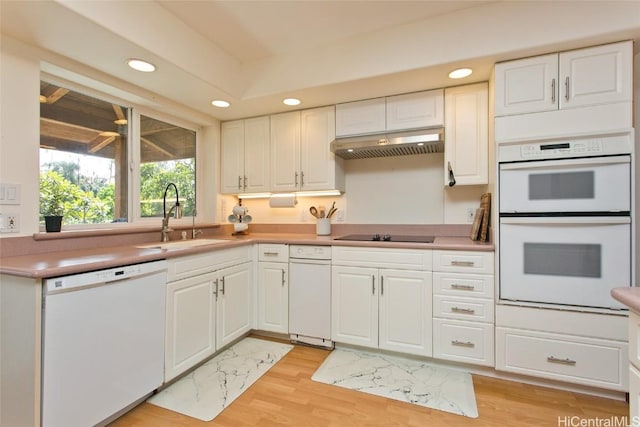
(19, 130)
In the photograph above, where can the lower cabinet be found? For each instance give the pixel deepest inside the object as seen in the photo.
(273, 287)
(205, 313)
(382, 308)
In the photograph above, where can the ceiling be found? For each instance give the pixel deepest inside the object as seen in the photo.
(255, 53)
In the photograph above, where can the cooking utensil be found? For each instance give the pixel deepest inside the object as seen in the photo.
(331, 212)
(314, 211)
(321, 211)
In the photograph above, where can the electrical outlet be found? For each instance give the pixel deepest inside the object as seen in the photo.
(470, 214)
(9, 223)
(340, 215)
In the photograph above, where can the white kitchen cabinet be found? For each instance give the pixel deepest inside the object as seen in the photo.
(578, 78)
(415, 110)
(301, 159)
(233, 310)
(208, 305)
(394, 113)
(584, 348)
(361, 117)
(387, 308)
(463, 306)
(467, 134)
(273, 288)
(245, 156)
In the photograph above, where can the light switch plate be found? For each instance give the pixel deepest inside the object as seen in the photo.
(9, 194)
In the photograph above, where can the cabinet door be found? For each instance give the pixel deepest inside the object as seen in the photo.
(467, 134)
(527, 85)
(405, 311)
(273, 297)
(256, 154)
(190, 324)
(361, 117)
(415, 110)
(232, 157)
(285, 151)
(354, 305)
(597, 75)
(317, 162)
(234, 304)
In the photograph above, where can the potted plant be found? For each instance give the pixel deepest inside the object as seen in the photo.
(52, 197)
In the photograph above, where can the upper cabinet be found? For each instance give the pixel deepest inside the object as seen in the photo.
(245, 156)
(579, 78)
(400, 112)
(466, 152)
(300, 156)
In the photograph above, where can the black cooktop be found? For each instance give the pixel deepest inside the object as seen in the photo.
(386, 238)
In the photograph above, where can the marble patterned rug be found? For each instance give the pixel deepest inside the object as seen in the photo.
(206, 391)
(404, 379)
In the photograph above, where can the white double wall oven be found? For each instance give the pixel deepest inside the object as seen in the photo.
(565, 221)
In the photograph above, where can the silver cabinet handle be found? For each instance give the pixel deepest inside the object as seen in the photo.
(296, 180)
(463, 310)
(553, 91)
(462, 343)
(271, 253)
(245, 182)
(373, 285)
(239, 182)
(566, 88)
(215, 289)
(459, 287)
(462, 263)
(567, 361)
(381, 285)
(283, 281)
(222, 289)
(301, 179)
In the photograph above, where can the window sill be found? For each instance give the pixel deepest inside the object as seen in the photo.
(112, 231)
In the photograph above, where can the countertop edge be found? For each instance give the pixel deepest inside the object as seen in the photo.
(629, 296)
(55, 264)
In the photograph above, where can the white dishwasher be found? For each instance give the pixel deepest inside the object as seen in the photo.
(310, 295)
(103, 342)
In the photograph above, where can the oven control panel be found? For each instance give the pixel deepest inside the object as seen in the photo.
(581, 148)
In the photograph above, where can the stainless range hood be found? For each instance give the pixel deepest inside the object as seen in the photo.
(421, 141)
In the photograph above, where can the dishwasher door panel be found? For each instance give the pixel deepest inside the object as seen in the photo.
(103, 349)
(310, 298)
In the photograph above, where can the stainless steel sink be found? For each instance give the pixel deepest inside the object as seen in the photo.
(181, 244)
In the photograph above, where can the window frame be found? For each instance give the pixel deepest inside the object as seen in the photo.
(133, 152)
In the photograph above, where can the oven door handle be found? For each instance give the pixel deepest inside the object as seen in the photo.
(564, 220)
(550, 164)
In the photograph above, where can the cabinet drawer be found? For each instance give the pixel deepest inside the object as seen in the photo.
(461, 341)
(463, 261)
(193, 265)
(474, 309)
(273, 252)
(402, 259)
(580, 360)
(464, 285)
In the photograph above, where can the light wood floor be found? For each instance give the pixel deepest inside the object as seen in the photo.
(287, 396)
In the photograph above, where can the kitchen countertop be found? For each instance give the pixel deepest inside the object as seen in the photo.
(60, 263)
(629, 296)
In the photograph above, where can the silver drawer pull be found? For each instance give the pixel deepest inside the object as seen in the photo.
(463, 263)
(462, 287)
(463, 310)
(566, 361)
(462, 343)
(271, 253)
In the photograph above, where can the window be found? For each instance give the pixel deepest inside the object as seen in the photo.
(85, 159)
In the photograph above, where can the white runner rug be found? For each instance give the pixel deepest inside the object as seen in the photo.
(206, 391)
(399, 378)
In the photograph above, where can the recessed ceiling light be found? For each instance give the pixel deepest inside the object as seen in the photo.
(43, 99)
(460, 73)
(291, 101)
(220, 103)
(109, 133)
(140, 65)
(120, 121)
